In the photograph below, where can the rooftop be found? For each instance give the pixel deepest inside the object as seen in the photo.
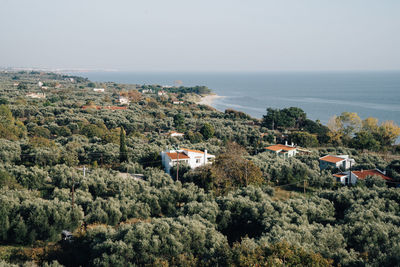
(364, 173)
(331, 159)
(280, 147)
(194, 151)
(174, 155)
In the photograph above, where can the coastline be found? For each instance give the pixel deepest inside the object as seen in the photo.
(208, 99)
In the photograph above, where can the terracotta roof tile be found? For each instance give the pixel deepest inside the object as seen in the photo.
(280, 147)
(331, 159)
(364, 173)
(174, 155)
(191, 150)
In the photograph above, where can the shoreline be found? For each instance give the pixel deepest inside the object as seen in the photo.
(208, 99)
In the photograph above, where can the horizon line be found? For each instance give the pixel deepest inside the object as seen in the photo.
(87, 70)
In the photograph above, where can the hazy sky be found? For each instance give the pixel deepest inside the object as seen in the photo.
(201, 35)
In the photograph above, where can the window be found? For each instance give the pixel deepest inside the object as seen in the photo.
(197, 160)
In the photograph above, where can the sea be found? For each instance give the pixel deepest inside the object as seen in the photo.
(320, 94)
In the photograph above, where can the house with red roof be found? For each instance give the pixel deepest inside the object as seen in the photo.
(285, 151)
(342, 162)
(351, 177)
(193, 158)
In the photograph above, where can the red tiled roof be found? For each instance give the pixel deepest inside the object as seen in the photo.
(116, 108)
(174, 155)
(331, 159)
(364, 173)
(109, 107)
(280, 147)
(191, 150)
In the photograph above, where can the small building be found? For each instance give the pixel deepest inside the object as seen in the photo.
(123, 100)
(177, 102)
(193, 158)
(342, 162)
(161, 93)
(175, 134)
(352, 177)
(101, 90)
(285, 151)
(40, 84)
(36, 95)
(146, 91)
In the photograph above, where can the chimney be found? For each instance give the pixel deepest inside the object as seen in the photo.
(286, 143)
(292, 144)
(205, 156)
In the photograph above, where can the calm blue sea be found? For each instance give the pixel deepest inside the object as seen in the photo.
(320, 94)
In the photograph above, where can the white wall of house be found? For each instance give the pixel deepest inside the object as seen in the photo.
(123, 100)
(287, 154)
(292, 153)
(347, 178)
(345, 164)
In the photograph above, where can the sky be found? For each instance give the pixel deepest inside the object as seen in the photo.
(201, 35)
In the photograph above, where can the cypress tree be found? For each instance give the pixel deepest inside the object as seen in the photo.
(122, 147)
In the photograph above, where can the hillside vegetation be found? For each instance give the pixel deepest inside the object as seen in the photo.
(70, 158)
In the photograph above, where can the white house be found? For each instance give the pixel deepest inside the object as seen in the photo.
(123, 100)
(147, 91)
(177, 102)
(193, 158)
(175, 134)
(342, 162)
(101, 90)
(352, 177)
(161, 93)
(285, 151)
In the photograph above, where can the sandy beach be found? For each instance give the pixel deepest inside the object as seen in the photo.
(208, 99)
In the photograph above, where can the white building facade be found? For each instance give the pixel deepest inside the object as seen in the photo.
(351, 177)
(123, 100)
(193, 158)
(285, 151)
(342, 162)
(175, 134)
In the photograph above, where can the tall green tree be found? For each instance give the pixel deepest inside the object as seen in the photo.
(123, 156)
(207, 131)
(179, 121)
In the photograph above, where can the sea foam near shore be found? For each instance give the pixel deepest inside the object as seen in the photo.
(209, 99)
